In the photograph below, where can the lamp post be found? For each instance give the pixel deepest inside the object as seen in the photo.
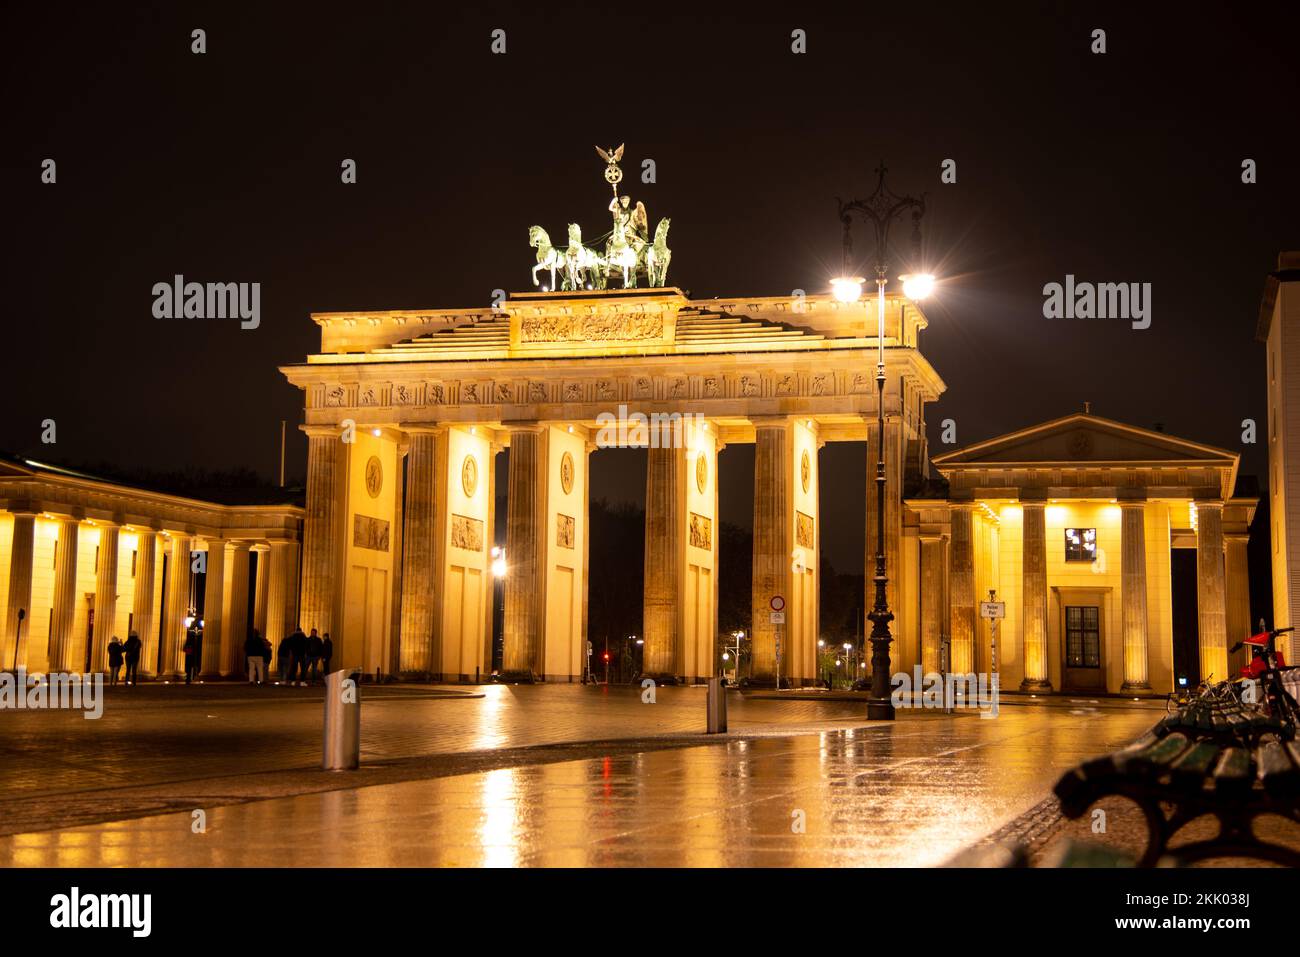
(880, 209)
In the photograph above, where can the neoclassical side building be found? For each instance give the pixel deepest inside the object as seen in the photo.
(85, 559)
(1072, 522)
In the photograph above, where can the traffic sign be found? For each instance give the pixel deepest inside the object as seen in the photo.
(993, 609)
(778, 618)
(777, 603)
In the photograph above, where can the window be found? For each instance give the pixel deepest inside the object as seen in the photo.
(1080, 544)
(1082, 637)
(134, 553)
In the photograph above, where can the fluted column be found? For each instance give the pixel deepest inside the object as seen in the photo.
(320, 572)
(105, 594)
(1034, 584)
(259, 593)
(143, 612)
(1238, 594)
(234, 626)
(176, 604)
(65, 596)
(21, 550)
(277, 597)
(526, 536)
(1210, 592)
(418, 547)
(214, 613)
(665, 550)
(1133, 594)
(931, 601)
(772, 542)
(962, 590)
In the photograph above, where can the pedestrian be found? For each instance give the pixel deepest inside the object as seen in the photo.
(131, 654)
(114, 659)
(298, 657)
(283, 659)
(191, 651)
(327, 652)
(267, 651)
(255, 651)
(315, 648)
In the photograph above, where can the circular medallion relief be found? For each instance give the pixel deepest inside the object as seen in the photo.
(805, 470)
(469, 475)
(566, 473)
(374, 476)
(701, 472)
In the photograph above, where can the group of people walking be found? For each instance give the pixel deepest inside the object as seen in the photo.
(302, 658)
(127, 652)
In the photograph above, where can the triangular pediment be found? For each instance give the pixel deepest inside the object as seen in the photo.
(1085, 440)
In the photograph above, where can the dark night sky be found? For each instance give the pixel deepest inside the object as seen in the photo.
(1123, 167)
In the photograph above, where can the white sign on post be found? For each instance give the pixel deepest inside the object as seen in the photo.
(993, 609)
(778, 618)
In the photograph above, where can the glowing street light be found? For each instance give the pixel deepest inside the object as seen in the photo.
(917, 286)
(880, 209)
(847, 288)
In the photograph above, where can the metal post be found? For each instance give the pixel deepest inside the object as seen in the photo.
(716, 717)
(342, 750)
(18, 636)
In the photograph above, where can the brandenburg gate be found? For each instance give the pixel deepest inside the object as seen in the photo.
(406, 412)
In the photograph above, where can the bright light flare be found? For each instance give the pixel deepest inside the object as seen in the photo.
(919, 286)
(847, 288)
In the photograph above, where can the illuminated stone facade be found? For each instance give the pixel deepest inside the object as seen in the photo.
(447, 390)
(86, 559)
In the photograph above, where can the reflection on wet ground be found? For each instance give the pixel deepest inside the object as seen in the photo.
(908, 793)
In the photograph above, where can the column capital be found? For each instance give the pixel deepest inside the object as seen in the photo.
(321, 431)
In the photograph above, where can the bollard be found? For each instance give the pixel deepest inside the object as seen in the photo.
(717, 707)
(342, 721)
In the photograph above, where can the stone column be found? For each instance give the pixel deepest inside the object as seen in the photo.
(1238, 595)
(1133, 594)
(176, 604)
(1034, 584)
(393, 659)
(21, 551)
(772, 542)
(143, 612)
(321, 539)
(664, 552)
(277, 596)
(489, 627)
(931, 600)
(418, 554)
(65, 597)
(586, 554)
(214, 612)
(962, 590)
(1210, 592)
(526, 536)
(234, 625)
(105, 595)
(263, 554)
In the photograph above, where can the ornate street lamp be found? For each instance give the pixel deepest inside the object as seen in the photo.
(880, 209)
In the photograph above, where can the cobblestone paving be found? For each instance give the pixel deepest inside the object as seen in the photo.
(912, 792)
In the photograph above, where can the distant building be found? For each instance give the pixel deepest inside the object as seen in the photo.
(85, 559)
(1279, 330)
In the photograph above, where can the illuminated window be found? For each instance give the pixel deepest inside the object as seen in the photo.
(1082, 637)
(1080, 544)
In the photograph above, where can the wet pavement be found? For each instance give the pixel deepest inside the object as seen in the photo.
(797, 783)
